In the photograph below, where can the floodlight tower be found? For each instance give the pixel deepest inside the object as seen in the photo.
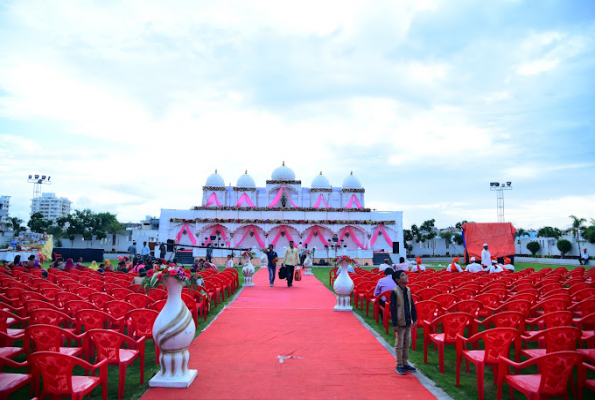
(37, 181)
(499, 189)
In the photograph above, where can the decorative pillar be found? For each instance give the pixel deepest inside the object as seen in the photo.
(173, 331)
(343, 287)
(248, 270)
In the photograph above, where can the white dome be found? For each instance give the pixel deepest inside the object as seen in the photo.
(215, 180)
(246, 181)
(320, 182)
(351, 182)
(283, 173)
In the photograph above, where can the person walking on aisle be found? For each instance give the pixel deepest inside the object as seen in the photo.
(291, 260)
(272, 264)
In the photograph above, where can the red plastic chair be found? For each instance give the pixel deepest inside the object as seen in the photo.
(118, 309)
(489, 301)
(120, 293)
(58, 381)
(7, 319)
(99, 299)
(109, 343)
(332, 275)
(138, 300)
(84, 292)
(378, 307)
(548, 306)
(64, 297)
(551, 320)
(522, 306)
(428, 293)
(466, 306)
(582, 379)
(158, 305)
(583, 294)
(72, 307)
(445, 300)
(465, 293)
(453, 324)
(497, 343)
(560, 338)
(11, 382)
(426, 312)
(24, 296)
(47, 316)
(140, 324)
(49, 338)
(192, 306)
(94, 319)
(157, 294)
(31, 305)
(555, 369)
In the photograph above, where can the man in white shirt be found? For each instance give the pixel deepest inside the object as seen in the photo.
(401, 266)
(418, 267)
(291, 259)
(454, 266)
(385, 265)
(473, 267)
(495, 268)
(584, 258)
(486, 256)
(507, 265)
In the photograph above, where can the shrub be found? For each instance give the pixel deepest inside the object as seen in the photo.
(533, 247)
(564, 246)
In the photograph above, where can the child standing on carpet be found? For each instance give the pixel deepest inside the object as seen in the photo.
(404, 316)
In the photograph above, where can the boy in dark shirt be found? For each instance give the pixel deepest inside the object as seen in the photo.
(404, 316)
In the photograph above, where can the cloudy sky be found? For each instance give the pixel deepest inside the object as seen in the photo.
(129, 106)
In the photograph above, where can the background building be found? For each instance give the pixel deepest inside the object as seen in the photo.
(50, 206)
(4, 213)
(330, 219)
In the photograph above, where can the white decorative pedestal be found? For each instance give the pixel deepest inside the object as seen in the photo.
(248, 271)
(173, 332)
(343, 287)
(308, 266)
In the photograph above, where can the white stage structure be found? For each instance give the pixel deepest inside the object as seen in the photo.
(253, 217)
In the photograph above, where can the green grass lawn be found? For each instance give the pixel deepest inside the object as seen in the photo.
(468, 382)
(134, 389)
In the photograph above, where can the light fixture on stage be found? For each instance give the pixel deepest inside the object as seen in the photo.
(508, 183)
(43, 177)
(49, 178)
(36, 176)
(30, 176)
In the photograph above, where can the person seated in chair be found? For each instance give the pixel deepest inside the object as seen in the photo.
(138, 280)
(507, 265)
(474, 267)
(454, 266)
(385, 265)
(401, 266)
(198, 265)
(31, 263)
(384, 284)
(122, 266)
(495, 268)
(69, 265)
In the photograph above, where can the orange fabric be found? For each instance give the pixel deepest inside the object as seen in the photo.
(499, 237)
(418, 260)
(453, 268)
(506, 260)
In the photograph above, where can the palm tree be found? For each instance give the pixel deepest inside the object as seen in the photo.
(16, 226)
(115, 228)
(578, 225)
(519, 234)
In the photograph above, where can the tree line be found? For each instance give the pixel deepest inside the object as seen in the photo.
(86, 223)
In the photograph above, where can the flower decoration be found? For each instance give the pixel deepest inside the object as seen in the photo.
(280, 221)
(340, 259)
(249, 254)
(157, 275)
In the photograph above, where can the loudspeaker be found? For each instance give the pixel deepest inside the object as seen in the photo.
(395, 247)
(335, 239)
(170, 245)
(213, 237)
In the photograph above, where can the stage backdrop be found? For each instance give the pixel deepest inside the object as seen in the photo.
(498, 236)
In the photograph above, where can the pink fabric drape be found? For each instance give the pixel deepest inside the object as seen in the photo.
(320, 199)
(375, 236)
(320, 236)
(278, 197)
(352, 200)
(213, 199)
(352, 235)
(251, 228)
(214, 232)
(244, 198)
(189, 234)
(282, 229)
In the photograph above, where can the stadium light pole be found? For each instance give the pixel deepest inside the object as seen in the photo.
(499, 188)
(38, 180)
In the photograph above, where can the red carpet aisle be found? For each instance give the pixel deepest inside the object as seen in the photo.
(332, 355)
